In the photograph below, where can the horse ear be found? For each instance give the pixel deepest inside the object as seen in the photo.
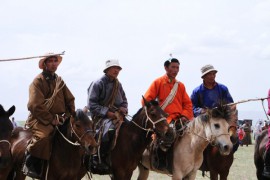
(11, 110)
(205, 117)
(146, 103)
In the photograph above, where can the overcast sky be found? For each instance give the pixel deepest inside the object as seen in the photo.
(232, 35)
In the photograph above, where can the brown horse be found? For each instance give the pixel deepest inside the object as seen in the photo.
(70, 142)
(216, 164)
(133, 138)
(6, 128)
(260, 147)
(186, 155)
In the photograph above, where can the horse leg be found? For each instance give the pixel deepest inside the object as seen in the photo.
(121, 174)
(191, 176)
(213, 175)
(224, 175)
(143, 172)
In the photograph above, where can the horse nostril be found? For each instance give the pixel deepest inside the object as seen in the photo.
(226, 148)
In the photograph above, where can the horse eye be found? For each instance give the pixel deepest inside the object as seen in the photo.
(217, 126)
(153, 113)
(77, 125)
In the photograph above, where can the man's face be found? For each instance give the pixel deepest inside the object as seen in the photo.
(210, 77)
(113, 72)
(172, 70)
(51, 64)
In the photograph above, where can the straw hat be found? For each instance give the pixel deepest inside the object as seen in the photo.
(110, 63)
(46, 56)
(206, 69)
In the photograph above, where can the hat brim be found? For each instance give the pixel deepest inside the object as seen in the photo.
(208, 72)
(41, 61)
(112, 66)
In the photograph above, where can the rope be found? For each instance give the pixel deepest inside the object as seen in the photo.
(74, 144)
(32, 57)
(265, 110)
(49, 102)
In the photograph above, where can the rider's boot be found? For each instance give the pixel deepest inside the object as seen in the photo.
(33, 166)
(266, 170)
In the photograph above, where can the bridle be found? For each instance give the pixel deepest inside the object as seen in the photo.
(6, 141)
(212, 138)
(151, 121)
(77, 143)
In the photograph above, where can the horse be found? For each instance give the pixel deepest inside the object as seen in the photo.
(133, 138)
(70, 142)
(260, 148)
(6, 128)
(216, 163)
(187, 150)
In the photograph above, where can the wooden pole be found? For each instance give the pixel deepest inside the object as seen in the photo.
(33, 57)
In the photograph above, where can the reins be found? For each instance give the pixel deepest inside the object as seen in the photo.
(6, 141)
(70, 142)
(80, 138)
(212, 138)
(149, 119)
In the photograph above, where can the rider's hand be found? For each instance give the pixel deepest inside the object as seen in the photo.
(123, 110)
(203, 110)
(184, 119)
(111, 115)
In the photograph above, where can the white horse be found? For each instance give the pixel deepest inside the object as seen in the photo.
(211, 127)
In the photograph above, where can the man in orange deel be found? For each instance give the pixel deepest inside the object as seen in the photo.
(174, 100)
(171, 94)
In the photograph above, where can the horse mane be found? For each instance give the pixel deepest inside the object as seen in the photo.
(221, 111)
(81, 116)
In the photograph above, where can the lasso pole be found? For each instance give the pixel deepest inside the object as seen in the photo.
(247, 100)
(33, 57)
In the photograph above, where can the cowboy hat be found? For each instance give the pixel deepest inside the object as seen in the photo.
(110, 63)
(46, 56)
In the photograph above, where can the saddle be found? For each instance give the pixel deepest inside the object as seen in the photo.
(159, 159)
(100, 163)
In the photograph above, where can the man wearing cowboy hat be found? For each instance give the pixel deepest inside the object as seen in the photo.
(106, 102)
(46, 110)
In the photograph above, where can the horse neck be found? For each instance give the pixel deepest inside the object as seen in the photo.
(197, 134)
(140, 134)
(61, 144)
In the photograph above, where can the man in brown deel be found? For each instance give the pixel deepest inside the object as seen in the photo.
(50, 102)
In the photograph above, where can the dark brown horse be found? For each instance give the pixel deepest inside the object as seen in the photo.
(215, 163)
(6, 128)
(133, 138)
(260, 147)
(70, 142)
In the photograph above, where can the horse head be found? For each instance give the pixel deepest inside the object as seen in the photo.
(156, 119)
(216, 128)
(6, 128)
(81, 131)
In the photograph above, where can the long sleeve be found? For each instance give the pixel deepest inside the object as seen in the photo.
(268, 100)
(94, 103)
(195, 103)
(36, 103)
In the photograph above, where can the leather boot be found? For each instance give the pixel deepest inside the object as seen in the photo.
(266, 169)
(33, 166)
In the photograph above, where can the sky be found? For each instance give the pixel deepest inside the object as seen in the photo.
(232, 35)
